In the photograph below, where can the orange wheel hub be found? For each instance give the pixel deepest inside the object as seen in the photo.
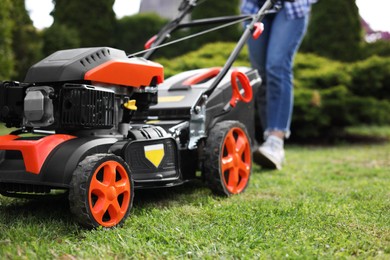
(109, 193)
(236, 160)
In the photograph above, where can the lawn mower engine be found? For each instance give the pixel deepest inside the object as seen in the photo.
(81, 89)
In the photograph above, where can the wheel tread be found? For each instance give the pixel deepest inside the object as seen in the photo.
(78, 190)
(211, 162)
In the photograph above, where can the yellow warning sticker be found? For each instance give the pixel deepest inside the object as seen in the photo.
(170, 99)
(154, 153)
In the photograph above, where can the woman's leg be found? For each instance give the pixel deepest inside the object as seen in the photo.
(257, 54)
(284, 40)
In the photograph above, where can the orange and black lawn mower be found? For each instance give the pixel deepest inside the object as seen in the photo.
(98, 124)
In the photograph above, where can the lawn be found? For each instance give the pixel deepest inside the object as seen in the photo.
(327, 202)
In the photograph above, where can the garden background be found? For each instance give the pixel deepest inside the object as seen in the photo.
(331, 200)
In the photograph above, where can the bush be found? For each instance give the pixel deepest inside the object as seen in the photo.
(6, 54)
(380, 48)
(132, 32)
(371, 77)
(334, 31)
(347, 94)
(209, 9)
(369, 111)
(59, 37)
(329, 95)
(308, 108)
(210, 55)
(314, 72)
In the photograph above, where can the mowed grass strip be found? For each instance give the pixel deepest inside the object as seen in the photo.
(327, 202)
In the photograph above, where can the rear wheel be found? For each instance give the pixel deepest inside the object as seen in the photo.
(101, 191)
(228, 160)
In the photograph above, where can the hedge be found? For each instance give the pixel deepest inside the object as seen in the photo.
(329, 95)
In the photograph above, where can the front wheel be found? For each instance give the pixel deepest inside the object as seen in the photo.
(101, 191)
(227, 162)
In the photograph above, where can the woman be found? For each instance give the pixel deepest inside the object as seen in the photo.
(272, 55)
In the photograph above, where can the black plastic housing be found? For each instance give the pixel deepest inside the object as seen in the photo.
(83, 107)
(11, 103)
(71, 65)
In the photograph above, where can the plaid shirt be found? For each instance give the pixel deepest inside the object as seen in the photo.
(295, 10)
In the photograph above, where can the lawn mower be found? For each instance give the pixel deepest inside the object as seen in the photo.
(98, 124)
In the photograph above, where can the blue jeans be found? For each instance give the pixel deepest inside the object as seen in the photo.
(272, 55)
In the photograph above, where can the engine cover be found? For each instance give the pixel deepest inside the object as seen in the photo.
(101, 64)
(70, 65)
(38, 106)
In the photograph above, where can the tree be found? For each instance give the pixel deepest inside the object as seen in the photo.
(6, 55)
(335, 30)
(215, 8)
(26, 43)
(133, 31)
(59, 37)
(94, 20)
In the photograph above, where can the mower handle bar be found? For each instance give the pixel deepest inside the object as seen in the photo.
(186, 6)
(241, 43)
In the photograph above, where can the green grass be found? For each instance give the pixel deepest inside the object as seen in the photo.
(371, 131)
(327, 202)
(4, 130)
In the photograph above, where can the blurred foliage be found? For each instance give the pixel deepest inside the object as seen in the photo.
(93, 20)
(6, 54)
(132, 32)
(20, 44)
(59, 37)
(26, 42)
(210, 55)
(335, 31)
(315, 72)
(329, 95)
(371, 77)
(379, 48)
(216, 8)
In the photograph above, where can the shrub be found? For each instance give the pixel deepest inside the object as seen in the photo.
(369, 111)
(371, 77)
(59, 37)
(209, 9)
(334, 30)
(305, 110)
(329, 95)
(132, 32)
(6, 54)
(380, 48)
(210, 55)
(312, 71)
(325, 118)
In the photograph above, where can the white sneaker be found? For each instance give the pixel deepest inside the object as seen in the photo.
(270, 154)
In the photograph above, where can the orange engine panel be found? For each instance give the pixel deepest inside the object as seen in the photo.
(133, 72)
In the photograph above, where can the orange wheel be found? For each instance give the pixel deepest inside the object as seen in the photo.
(101, 192)
(228, 159)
